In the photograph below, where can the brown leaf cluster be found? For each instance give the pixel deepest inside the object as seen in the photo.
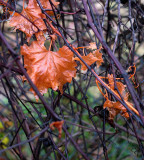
(115, 107)
(30, 21)
(46, 68)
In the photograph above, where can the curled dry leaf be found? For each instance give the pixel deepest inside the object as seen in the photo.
(98, 55)
(90, 59)
(58, 125)
(32, 18)
(48, 69)
(115, 108)
(120, 86)
(33, 14)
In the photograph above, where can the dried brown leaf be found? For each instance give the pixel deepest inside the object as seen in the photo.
(48, 69)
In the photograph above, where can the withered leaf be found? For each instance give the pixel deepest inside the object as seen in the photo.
(98, 55)
(48, 69)
(33, 13)
(120, 86)
(89, 59)
(115, 108)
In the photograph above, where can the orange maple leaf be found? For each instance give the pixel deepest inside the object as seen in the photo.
(33, 13)
(112, 111)
(98, 55)
(120, 86)
(90, 59)
(48, 69)
(115, 108)
(58, 125)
